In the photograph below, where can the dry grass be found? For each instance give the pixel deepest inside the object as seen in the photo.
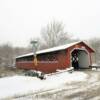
(9, 71)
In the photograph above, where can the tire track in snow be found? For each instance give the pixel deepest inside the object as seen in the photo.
(74, 91)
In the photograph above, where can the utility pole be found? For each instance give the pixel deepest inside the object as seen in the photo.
(34, 46)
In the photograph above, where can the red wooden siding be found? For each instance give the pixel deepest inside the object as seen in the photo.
(48, 66)
(86, 47)
(63, 60)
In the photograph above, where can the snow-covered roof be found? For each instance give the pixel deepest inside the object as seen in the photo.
(62, 47)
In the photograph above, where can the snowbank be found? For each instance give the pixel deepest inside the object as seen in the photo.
(94, 64)
(21, 85)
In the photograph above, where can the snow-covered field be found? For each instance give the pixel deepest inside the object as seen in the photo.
(18, 86)
(86, 89)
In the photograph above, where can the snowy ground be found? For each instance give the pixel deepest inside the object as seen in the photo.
(80, 85)
(21, 86)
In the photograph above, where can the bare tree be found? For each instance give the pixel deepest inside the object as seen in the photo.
(53, 34)
(8, 54)
(95, 43)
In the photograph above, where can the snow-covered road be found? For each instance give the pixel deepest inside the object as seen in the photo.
(18, 86)
(89, 89)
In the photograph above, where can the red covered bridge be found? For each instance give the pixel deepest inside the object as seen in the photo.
(77, 54)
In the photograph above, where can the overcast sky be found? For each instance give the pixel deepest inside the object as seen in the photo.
(21, 20)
